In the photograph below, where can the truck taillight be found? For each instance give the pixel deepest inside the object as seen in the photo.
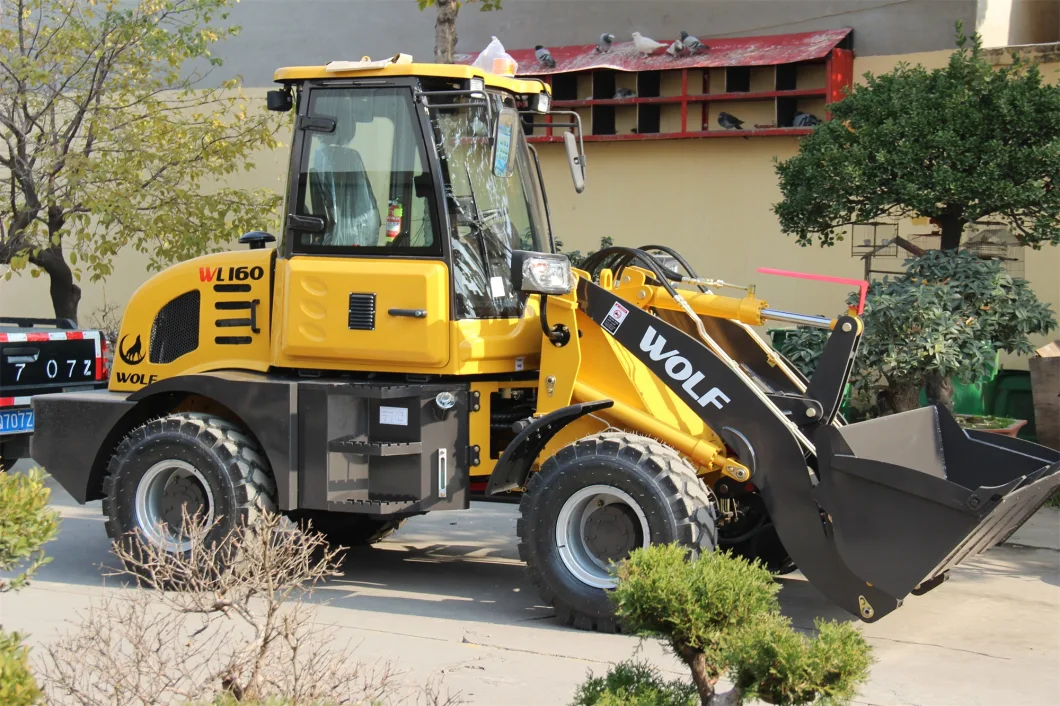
(101, 362)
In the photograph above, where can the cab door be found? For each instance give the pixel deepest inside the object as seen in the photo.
(365, 285)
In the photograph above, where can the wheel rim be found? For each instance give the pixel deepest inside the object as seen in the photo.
(164, 491)
(597, 525)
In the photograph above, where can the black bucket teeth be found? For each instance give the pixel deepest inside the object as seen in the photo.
(913, 495)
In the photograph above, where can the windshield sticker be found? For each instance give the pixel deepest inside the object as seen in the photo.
(497, 286)
(504, 144)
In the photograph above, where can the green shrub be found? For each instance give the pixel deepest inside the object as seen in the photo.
(17, 685)
(634, 684)
(694, 606)
(26, 523)
(802, 346)
(720, 616)
(772, 662)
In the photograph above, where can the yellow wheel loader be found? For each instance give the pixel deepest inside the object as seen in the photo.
(414, 342)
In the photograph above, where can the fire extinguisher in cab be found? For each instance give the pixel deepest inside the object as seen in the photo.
(393, 221)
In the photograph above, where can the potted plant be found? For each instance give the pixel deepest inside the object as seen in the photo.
(992, 425)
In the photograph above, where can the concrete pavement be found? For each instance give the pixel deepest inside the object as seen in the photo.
(445, 597)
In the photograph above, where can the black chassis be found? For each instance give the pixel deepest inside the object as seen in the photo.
(324, 438)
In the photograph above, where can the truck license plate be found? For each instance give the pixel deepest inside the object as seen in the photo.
(16, 420)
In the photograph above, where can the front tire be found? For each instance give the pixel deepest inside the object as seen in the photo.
(592, 504)
(186, 462)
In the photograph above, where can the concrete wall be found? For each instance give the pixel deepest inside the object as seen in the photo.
(1004, 23)
(286, 32)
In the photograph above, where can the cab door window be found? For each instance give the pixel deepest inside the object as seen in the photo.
(367, 179)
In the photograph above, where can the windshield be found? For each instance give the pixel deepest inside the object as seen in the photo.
(491, 215)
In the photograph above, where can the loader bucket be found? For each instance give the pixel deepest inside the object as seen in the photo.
(912, 495)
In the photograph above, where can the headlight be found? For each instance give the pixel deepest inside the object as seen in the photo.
(544, 102)
(540, 273)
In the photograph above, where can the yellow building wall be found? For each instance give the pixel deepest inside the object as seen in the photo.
(709, 198)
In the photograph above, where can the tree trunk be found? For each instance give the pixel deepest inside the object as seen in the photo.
(701, 677)
(65, 294)
(940, 390)
(904, 395)
(952, 227)
(445, 31)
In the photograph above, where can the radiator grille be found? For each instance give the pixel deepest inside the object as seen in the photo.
(175, 331)
(362, 312)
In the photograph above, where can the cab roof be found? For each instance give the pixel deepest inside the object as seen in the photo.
(520, 86)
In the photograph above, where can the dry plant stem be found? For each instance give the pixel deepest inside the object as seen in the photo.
(227, 618)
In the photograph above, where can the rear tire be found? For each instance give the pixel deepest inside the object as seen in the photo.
(187, 461)
(594, 502)
(347, 530)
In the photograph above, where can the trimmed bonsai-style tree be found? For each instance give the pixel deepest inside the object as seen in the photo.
(957, 144)
(945, 319)
(720, 616)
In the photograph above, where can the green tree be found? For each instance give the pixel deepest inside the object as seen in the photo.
(955, 144)
(946, 318)
(109, 138)
(26, 524)
(445, 24)
(720, 616)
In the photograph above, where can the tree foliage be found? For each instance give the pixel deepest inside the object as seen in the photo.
(109, 136)
(946, 318)
(955, 144)
(634, 683)
(719, 615)
(445, 24)
(26, 524)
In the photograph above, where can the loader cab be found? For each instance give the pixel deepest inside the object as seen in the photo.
(406, 198)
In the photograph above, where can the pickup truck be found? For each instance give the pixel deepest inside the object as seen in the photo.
(41, 356)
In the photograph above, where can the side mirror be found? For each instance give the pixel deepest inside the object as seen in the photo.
(540, 273)
(279, 101)
(576, 160)
(504, 132)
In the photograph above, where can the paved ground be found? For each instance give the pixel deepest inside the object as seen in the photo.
(446, 597)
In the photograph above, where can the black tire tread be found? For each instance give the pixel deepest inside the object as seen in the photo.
(687, 495)
(245, 464)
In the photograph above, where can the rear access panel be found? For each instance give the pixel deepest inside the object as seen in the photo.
(383, 449)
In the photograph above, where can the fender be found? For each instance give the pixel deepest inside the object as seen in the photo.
(267, 406)
(513, 468)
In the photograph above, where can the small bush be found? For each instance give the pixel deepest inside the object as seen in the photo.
(694, 606)
(634, 684)
(26, 523)
(720, 615)
(17, 685)
(772, 662)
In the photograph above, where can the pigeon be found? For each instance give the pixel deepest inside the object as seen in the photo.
(606, 40)
(646, 45)
(676, 49)
(544, 56)
(625, 93)
(730, 122)
(692, 43)
(805, 120)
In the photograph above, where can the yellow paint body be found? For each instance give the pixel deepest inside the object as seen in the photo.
(308, 303)
(259, 312)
